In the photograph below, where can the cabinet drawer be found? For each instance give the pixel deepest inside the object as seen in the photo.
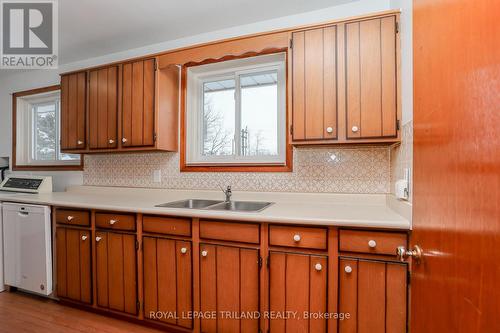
(374, 242)
(167, 225)
(302, 237)
(230, 231)
(115, 221)
(73, 217)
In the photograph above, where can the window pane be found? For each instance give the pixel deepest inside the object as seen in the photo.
(218, 117)
(45, 132)
(259, 114)
(69, 157)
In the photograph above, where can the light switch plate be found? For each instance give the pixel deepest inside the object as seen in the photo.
(157, 176)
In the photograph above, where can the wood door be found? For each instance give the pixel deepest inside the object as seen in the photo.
(168, 281)
(116, 271)
(73, 111)
(73, 262)
(456, 215)
(371, 78)
(374, 294)
(314, 76)
(138, 107)
(229, 285)
(298, 286)
(103, 107)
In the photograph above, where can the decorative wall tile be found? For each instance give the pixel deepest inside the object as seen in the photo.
(324, 170)
(402, 158)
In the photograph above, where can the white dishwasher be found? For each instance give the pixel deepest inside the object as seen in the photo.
(27, 247)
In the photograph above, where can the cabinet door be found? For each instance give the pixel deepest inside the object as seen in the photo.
(103, 107)
(168, 280)
(371, 78)
(73, 111)
(315, 84)
(74, 278)
(138, 118)
(116, 271)
(229, 283)
(374, 293)
(298, 284)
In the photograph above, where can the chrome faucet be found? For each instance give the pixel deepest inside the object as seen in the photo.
(227, 192)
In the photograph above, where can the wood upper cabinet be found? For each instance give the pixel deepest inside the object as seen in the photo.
(168, 280)
(103, 107)
(138, 104)
(229, 282)
(74, 264)
(116, 276)
(371, 78)
(73, 111)
(314, 75)
(374, 293)
(298, 283)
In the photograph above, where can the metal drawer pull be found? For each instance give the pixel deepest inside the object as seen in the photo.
(184, 250)
(84, 237)
(296, 238)
(111, 222)
(372, 243)
(204, 253)
(348, 269)
(318, 267)
(97, 239)
(69, 218)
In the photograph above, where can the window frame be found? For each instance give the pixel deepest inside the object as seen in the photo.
(282, 162)
(29, 163)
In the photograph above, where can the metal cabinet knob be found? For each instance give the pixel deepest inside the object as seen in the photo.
(318, 267)
(204, 253)
(329, 130)
(372, 243)
(184, 250)
(348, 269)
(79, 142)
(355, 129)
(111, 141)
(402, 253)
(84, 237)
(70, 218)
(111, 222)
(97, 239)
(124, 140)
(296, 238)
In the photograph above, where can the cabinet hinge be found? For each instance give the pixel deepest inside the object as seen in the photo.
(154, 137)
(291, 43)
(260, 262)
(136, 244)
(156, 65)
(291, 129)
(268, 260)
(138, 306)
(398, 125)
(408, 277)
(397, 27)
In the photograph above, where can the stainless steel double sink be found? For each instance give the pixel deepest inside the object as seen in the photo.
(237, 206)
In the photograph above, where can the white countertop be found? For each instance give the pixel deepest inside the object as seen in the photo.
(350, 210)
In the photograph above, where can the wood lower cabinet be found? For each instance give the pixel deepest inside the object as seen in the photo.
(298, 287)
(73, 111)
(374, 293)
(74, 264)
(116, 275)
(168, 281)
(229, 286)
(103, 107)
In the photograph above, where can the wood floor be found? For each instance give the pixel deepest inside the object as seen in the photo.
(25, 313)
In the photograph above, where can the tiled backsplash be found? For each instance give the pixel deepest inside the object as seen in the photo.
(402, 158)
(332, 170)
